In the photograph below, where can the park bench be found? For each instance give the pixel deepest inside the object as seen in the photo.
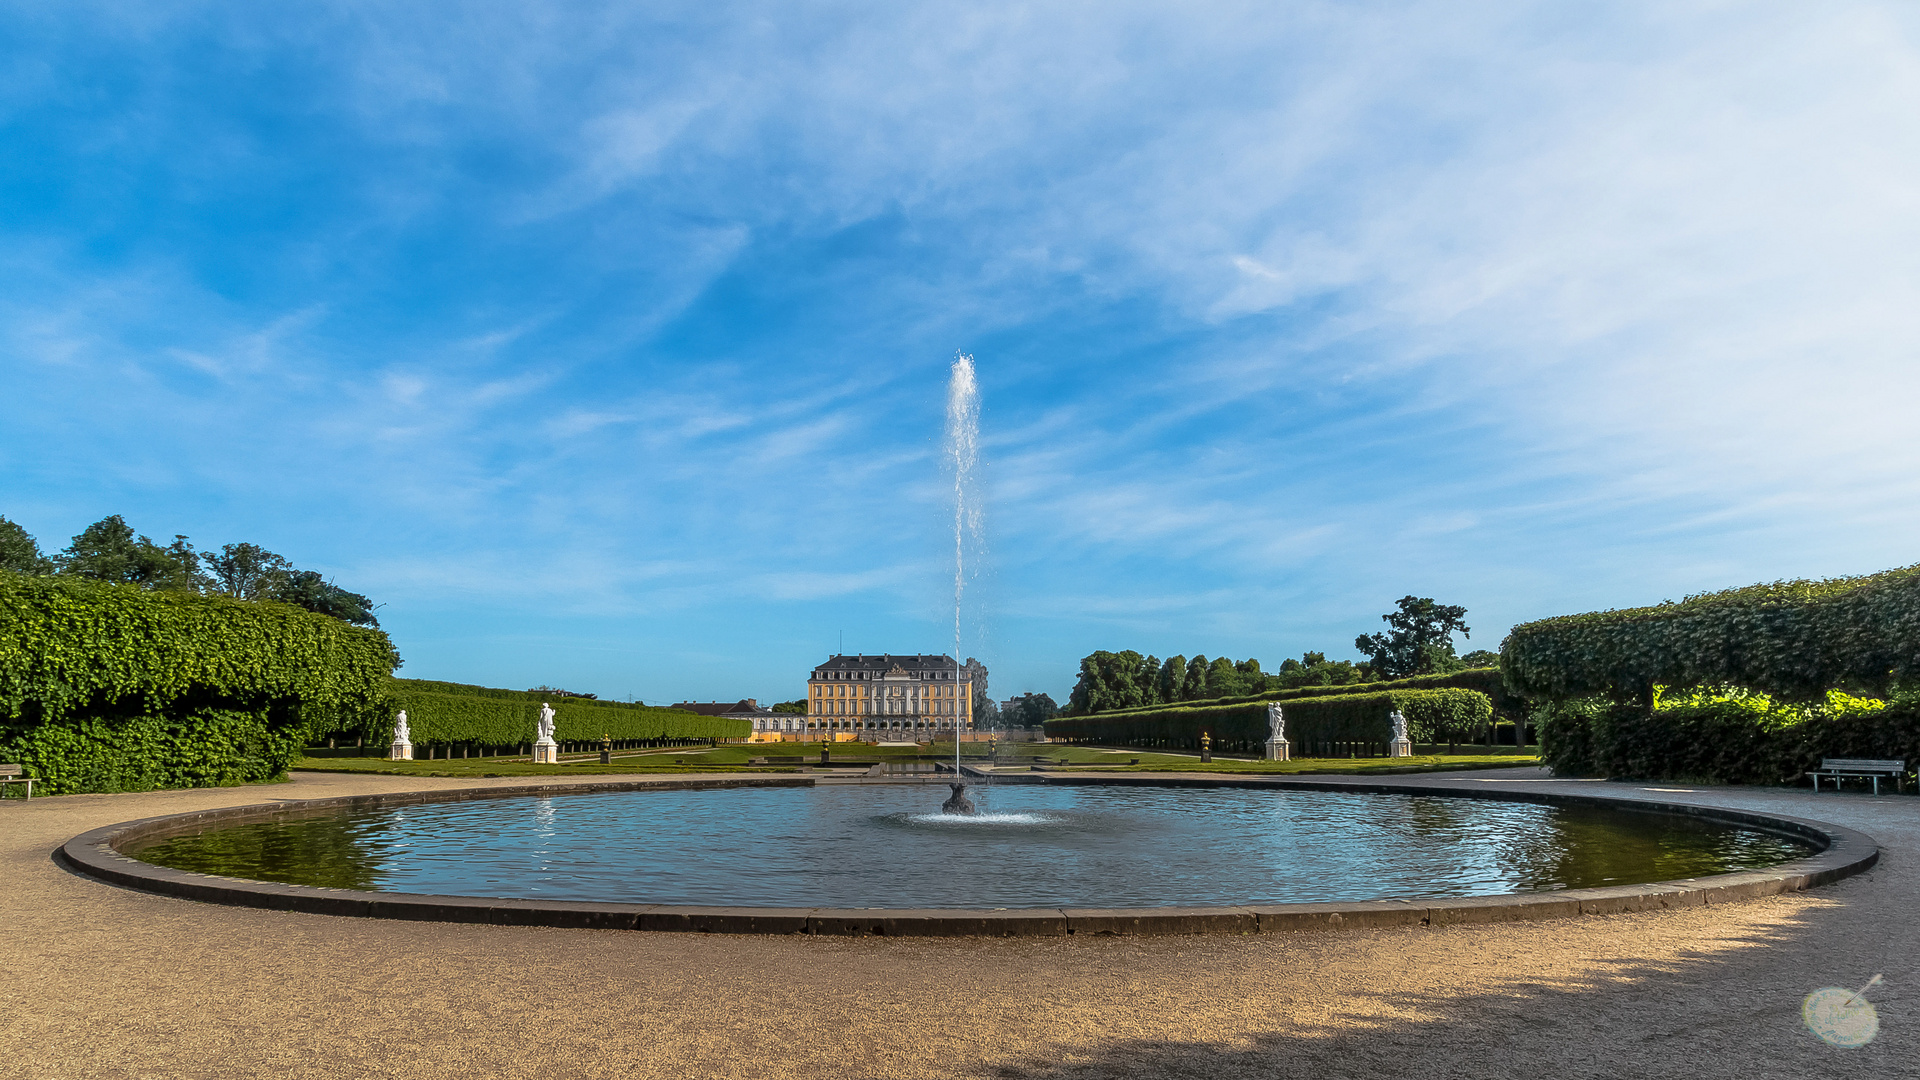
(12, 774)
(1862, 768)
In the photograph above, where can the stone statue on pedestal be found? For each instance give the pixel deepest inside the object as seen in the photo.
(1278, 749)
(1402, 745)
(545, 750)
(402, 739)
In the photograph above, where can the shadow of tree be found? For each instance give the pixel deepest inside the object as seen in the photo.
(1732, 1011)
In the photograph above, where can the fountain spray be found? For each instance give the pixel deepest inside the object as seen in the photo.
(963, 454)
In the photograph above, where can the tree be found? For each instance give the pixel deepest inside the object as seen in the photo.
(1030, 710)
(1108, 680)
(1146, 681)
(1479, 658)
(1171, 674)
(307, 589)
(1419, 638)
(797, 708)
(986, 712)
(19, 553)
(1314, 669)
(1223, 678)
(1194, 686)
(247, 571)
(108, 550)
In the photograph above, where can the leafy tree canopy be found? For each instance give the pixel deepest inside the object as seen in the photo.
(1314, 669)
(798, 708)
(309, 590)
(1030, 710)
(108, 550)
(19, 553)
(1418, 641)
(247, 571)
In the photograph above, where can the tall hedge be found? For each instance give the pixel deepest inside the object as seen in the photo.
(1738, 739)
(485, 717)
(108, 687)
(1487, 681)
(1432, 716)
(1792, 639)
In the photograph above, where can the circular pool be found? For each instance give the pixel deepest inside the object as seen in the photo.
(887, 846)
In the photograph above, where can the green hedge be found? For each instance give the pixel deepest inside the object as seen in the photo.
(1723, 739)
(440, 714)
(1792, 639)
(1432, 716)
(108, 687)
(1487, 681)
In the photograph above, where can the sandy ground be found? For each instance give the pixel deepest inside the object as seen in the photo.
(97, 981)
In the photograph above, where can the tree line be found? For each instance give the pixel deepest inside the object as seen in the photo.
(110, 550)
(1418, 641)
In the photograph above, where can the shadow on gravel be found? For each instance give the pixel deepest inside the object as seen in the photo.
(1729, 1015)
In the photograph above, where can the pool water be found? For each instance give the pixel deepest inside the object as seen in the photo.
(1029, 846)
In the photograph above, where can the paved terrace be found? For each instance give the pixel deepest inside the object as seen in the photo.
(97, 981)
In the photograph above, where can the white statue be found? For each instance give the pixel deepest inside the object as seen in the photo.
(402, 749)
(545, 728)
(1277, 746)
(1399, 726)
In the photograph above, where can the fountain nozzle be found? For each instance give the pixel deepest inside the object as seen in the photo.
(957, 803)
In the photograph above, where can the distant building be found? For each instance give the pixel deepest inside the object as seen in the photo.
(885, 696)
(744, 709)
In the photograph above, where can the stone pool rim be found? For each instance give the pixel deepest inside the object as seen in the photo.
(1839, 852)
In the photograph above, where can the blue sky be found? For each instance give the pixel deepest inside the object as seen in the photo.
(605, 344)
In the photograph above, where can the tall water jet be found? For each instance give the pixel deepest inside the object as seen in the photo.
(963, 457)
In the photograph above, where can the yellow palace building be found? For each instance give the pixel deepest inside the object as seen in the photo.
(904, 698)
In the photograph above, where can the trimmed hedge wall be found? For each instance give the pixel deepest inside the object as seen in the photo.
(1487, 681)
(1792, 639)
(1723, 740)
(108, 687)
(1432, 716)
(508, 717)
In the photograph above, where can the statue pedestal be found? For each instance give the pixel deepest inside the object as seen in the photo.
(1279, 750)
(546, 752)
(1401, 748)
(402, 751)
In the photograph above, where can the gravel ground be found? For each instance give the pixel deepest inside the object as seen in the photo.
(97, 981)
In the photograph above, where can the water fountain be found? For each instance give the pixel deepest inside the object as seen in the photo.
(1080, 855)
(962, 456)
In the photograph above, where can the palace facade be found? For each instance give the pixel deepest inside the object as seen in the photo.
(908, 698)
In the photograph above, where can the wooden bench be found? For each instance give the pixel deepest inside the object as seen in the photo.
(11, 774)
(1863, 768)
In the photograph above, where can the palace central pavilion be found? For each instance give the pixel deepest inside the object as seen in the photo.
(890, 697)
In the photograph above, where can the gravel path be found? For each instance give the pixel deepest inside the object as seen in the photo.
(97, 981)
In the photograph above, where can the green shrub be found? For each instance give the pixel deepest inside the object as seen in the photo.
(1726, 737)
(107, 687)
(1432, 716)
(1485, 680)
(1792, 639)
